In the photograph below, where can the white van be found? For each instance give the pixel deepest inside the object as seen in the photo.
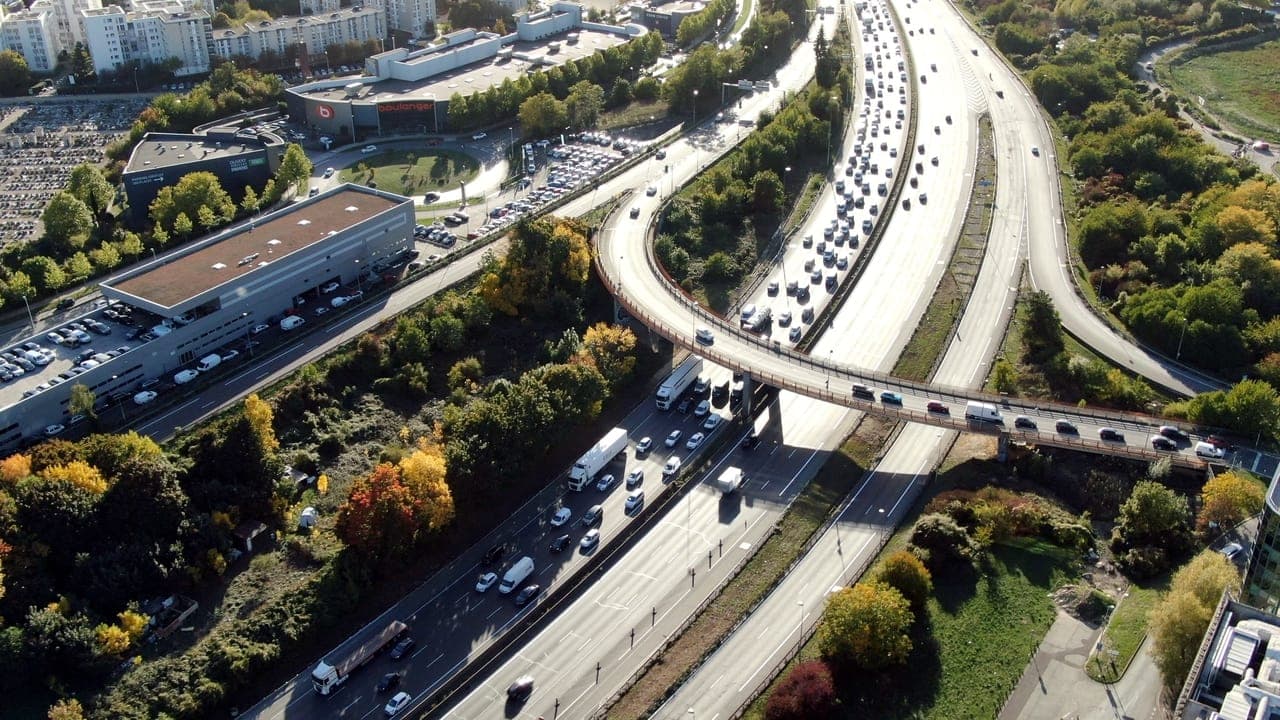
(209, 362)
(292, 322)
(1209, 450)
(516, 576)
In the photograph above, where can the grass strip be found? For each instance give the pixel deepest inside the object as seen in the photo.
(1124, 633)
(774, 557)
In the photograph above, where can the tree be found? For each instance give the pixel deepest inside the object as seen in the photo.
(15, 468)
(807, 693)
(82, 401)
(1248, 407)
(1152, 515)
(207, 219)
(78, 268)
(1226, 500)
(262, 418)
(91, 188)
(60, 644)
(542, 114)
(866, 626)
(78, 473)
(182, 225)
(105, 257)
(904, 572)
(1005, 376)
(250, 202)
(66, 218)
(66, 709)
(767, 192)
(380, 518)
(423, 472)
(1178, 623)
(612, 349)
(583, 106)
(45, 273)
(15, 76)
(82, 63)
(295, 168)
(187, 196)
(1042, 337)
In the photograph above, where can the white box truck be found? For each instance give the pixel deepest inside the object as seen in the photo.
(982, 412)
(594, 460)
(730, 480)
(678, 381)
(334, 669)
(516, 576)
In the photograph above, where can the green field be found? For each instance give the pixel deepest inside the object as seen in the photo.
(413, 173)
(1240, 87)
(1125, 631)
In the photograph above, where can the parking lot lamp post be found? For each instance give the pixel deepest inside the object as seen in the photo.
(30, 317)
(695, 128)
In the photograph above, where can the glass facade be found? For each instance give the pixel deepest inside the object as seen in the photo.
(1262, 581)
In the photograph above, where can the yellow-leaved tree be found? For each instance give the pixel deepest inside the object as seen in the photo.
(14, 468)
(112, 639)
(612, 349)
(1226, 500)
(1178, 622)
(423, 472)
(78, 473)
(260, 417)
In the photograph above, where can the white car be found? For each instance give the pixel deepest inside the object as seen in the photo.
(672, 468)
(561, 517)
(673, 438)
(365, 151)
(695, 440)
(186, 376)
(330, 287)
(328, 172)
(635, 499)
(479, 136)
(645, 445)
(144, 397)
(260, 327)
(703, 408)
(712, 422)
(486, 581)
(54, 430)
(397, 703)
(606, 483)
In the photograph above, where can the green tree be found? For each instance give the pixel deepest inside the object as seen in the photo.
(295, 168)
(250, 202)
(82, 64)
(82, 401)
(15, 76)
(583, 105)
(466, 374)
(767, 192)
(1042, 337)
(46, 275)
(1249, 407)
(187, 196)
(1005, 376)
(78, 268)
(61, 645)
(208, 220)
(92, 189)
(542, 115)
(67, 221)
(866, 626)
(105, 257)
(182, 225)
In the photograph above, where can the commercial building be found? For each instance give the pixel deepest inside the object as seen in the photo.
(315, 32)
(1236, 673)
(408, 89)
(207, 297)
(238, 157)
(155, 31)
(664, 16)
(33, 34)
(1262, 579)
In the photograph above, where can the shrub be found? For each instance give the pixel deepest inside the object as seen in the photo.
(807, 693)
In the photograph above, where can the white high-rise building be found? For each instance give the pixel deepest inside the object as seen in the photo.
(410, 16)
(316, 7)
(154, 32)
(33, 34)
(316, 32)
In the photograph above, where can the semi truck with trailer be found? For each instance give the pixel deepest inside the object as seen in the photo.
(334, 669)
(982, 412)
(678, 381)
(730, 480)
(595, 459)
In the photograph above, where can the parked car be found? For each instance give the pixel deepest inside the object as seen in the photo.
(144, 397)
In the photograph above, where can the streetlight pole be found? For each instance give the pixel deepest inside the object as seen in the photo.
(695, 129)
(800, 629)
(1181, 337)
(30, 317)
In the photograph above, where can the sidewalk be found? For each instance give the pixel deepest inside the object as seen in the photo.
(1055, 687)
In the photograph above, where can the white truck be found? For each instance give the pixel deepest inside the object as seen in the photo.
(982, 412)
(516, 576)
(678, 381)
(334, 669)
(594, 460)
(730, 480)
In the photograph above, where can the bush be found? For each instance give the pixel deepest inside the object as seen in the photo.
(1145, 562)
(944, 546)
(807, 693)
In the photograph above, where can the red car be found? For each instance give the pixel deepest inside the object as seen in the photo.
(937, 407)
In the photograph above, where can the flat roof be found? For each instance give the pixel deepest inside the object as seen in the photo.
(481, 75)
(161, 152)
(251, 245)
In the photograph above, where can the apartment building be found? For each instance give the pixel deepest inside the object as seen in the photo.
(33, 34)
(155, 31)
(411, 16)
(316, 32)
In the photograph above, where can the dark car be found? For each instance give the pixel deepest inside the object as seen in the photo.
(389, 681)
(684, 405)
(1174, 434)
(1110, 434)
(1219, 442)
(750, 441)
(494, 555)
(1024, 422)
(526, 595)
(1066, 428)
(864, 392)
(65, 303)
(939, 408)
(593, 515)
(720, 392)
(403, 648)
(521, 689)
(1162, 443)
(560, 543)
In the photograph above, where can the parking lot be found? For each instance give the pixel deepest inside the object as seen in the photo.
(41, 144)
